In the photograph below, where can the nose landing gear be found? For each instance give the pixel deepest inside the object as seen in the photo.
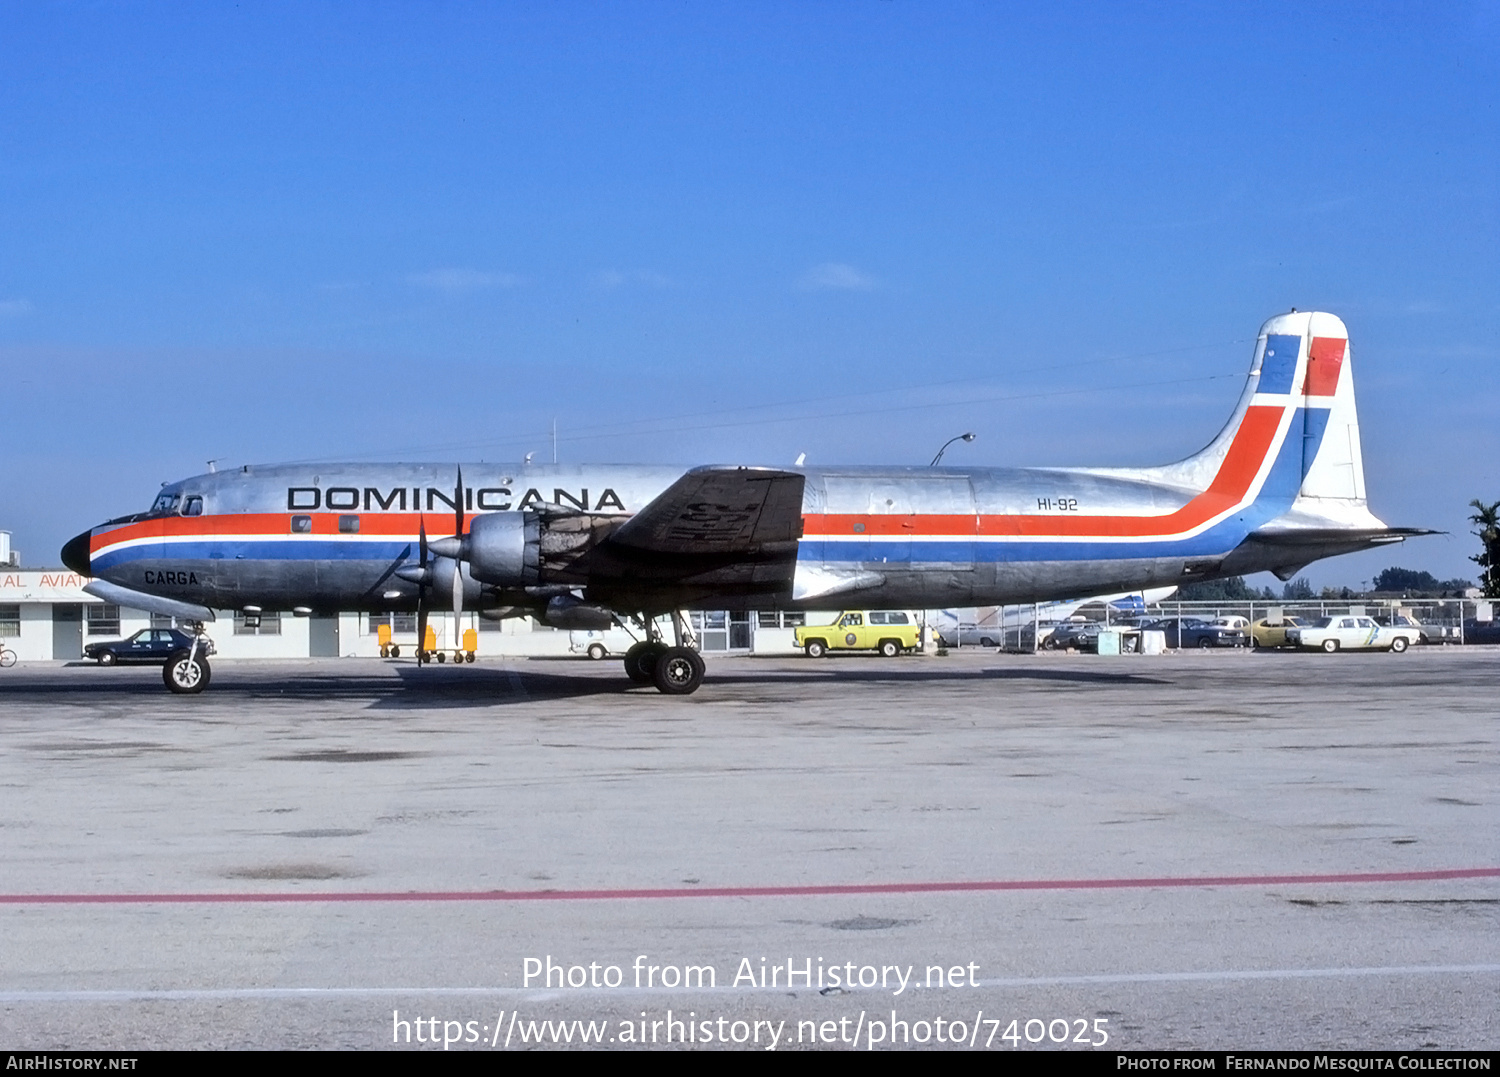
(187, 672)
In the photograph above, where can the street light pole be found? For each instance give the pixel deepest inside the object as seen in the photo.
(950, 441)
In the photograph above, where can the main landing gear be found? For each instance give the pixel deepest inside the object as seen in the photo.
(676, 671)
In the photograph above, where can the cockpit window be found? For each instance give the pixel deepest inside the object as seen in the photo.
(166, 504)
(193, 506)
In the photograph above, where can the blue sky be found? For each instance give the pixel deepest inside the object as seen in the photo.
(704, 233)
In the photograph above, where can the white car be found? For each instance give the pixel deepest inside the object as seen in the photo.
(1351, 633)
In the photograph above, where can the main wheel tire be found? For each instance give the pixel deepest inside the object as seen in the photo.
(816, 648)
(442, 657)
(185, 675)
(678, 672)
(889, 648)
(107, 658)
(598, 652)
(395, 652)
(1399, 644)
(469, 657)
(640, 661)
(1330, 645)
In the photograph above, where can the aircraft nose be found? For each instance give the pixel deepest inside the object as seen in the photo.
(75, 554)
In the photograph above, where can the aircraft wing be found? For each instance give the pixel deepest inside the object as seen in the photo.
(723, 511)
(715, 531)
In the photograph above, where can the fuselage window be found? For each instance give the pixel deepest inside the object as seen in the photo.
(349, 525)
(301, 525)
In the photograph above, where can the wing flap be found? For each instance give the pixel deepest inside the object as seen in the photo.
(720, 512)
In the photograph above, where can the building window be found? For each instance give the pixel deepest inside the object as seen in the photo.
(399, 622)
(782, 619)
(270, 624)
(104, 619)
(10, 620)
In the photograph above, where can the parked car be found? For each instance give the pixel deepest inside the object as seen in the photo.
(1351, 633)
(1078, 635)
(1268, 633)
(153, 645)
(598, 644)
(1429, 633)
(973, 636)
(1024, 637)
(888, 631)
(1481, 631)
(1190, 632)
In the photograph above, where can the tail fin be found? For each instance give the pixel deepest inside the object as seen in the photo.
(1292, 444)
(1307, 356)
(1284, 480)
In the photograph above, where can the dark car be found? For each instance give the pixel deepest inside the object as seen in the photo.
(1476, 631)
(147, 645)
(1195, 632)
(1079, 635)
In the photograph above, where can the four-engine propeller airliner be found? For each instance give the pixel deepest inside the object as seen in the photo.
(583, 547)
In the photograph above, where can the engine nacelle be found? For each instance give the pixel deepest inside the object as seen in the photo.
(565, 611)
(505, 548)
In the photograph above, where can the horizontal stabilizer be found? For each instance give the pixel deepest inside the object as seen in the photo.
(1287, 552)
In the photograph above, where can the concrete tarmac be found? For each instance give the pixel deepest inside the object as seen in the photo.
(1218, 850)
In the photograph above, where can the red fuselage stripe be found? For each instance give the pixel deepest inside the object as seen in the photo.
(1252, 442)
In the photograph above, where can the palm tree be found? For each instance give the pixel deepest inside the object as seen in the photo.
(1488, 518)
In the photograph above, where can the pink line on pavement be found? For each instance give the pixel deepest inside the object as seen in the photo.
(833, 890)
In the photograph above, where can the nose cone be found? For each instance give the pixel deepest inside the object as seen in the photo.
(76, 554)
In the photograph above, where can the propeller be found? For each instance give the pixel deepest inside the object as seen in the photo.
(423, 574)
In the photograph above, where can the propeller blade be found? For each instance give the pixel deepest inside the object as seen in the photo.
(458, 603)
(422, 590)
(458, 533)
(458, 504)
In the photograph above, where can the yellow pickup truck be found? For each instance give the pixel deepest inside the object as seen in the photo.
(888, 631)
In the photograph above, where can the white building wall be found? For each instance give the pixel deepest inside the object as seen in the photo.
(35, 591)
